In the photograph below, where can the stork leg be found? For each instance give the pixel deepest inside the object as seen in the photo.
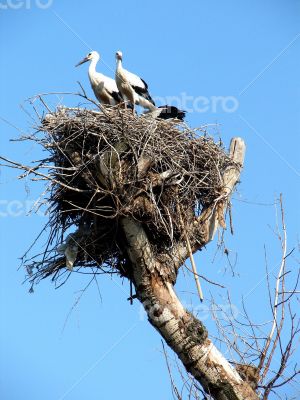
(123, 104)
(131, 100)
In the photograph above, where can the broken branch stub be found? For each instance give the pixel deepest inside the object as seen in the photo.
(230, 178)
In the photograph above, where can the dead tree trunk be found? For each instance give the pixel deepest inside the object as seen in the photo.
(186, 335)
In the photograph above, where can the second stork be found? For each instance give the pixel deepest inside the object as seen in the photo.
(135, 91)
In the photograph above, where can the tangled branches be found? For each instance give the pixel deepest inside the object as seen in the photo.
(102, 165)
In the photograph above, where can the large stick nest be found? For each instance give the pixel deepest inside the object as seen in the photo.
(103, 166)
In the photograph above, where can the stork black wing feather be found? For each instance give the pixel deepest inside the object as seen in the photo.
(171, 112)
(146, 86)
(143, 91)
(117, 96)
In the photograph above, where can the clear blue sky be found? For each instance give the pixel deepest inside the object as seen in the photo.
(247, 53)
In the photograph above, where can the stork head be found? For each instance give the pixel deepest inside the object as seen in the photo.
(119, 55)
(93, 55)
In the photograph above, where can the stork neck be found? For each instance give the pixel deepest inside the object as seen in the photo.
(119, 64)
(92, 67)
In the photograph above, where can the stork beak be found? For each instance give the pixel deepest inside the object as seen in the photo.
(82, 61)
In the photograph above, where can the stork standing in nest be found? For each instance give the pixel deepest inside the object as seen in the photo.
(133, 88)
(105, 88)
(135, 91)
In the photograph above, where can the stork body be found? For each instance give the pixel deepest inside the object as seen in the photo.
(135, 90)
(132, 88)
(104, 87)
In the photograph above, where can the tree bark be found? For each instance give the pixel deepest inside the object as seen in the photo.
(186, 335)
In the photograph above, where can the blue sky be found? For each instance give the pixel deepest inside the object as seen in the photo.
(244, 53)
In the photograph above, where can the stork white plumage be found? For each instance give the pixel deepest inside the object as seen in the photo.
(132, 88)
(104, 87)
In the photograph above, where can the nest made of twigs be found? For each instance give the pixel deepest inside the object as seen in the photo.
(109, 164)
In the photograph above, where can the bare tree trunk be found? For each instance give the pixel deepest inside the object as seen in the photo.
(186, 335)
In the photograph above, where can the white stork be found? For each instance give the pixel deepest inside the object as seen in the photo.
(105, 88)
(131, 87)
(135, 90)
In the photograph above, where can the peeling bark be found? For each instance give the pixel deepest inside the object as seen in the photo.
(186, 335)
